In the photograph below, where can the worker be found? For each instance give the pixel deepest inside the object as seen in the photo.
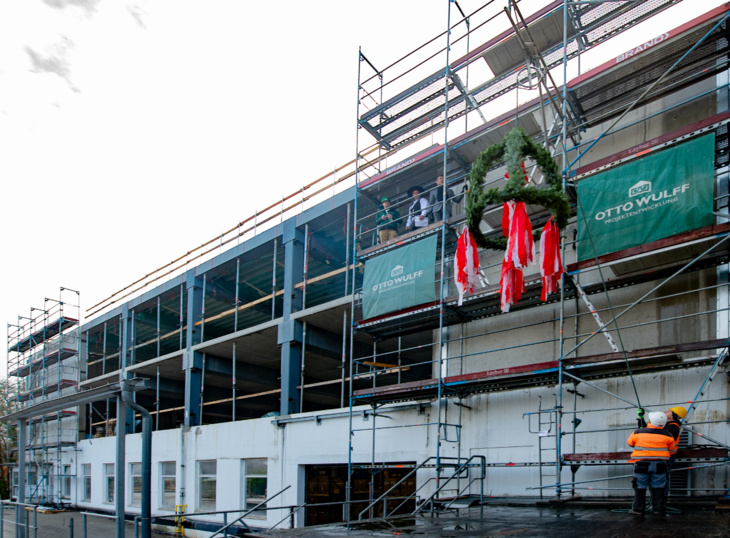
(652, 449)
(387, 221)
(675, 416)
(436, 198)
(418, 212)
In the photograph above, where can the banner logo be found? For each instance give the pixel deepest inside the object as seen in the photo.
(397, 270)
(640, 188)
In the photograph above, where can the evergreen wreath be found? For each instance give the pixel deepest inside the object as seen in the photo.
(512, 149)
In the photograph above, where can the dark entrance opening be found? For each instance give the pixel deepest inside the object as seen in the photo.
(328, 484)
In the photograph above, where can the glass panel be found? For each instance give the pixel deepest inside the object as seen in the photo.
(207, 467)
(108, 469)
(168, 469)
(168, 493)
(256, 467)
(255, 491)
(86, 467)
(109, 489)
(136, 469)
(207, 494)
(136, 491)
(87, 488)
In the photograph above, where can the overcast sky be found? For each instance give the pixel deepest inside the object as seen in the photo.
(132, 130)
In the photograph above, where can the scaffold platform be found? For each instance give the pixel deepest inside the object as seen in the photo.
(43, 334)
(545, 374)
(49, 359)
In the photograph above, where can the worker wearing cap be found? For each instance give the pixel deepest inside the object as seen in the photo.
(652, 450)
(419, 210)
(675, 416)
(387, 221)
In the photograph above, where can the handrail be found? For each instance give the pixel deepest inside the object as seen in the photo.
(225, 527)
(419, 466)
(376, 501)
(465, 465)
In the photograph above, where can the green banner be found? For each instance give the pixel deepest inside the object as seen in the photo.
(663, 194)
(400, 279)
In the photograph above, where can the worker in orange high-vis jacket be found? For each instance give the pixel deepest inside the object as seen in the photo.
(652, 450)
(675, 416)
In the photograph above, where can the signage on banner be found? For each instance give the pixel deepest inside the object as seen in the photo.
(400, 279)
(657, 196)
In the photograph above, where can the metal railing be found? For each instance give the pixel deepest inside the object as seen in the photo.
(458, 467)
(20, 526)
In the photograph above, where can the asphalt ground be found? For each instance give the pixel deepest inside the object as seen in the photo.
(57, 525)
(536, 522)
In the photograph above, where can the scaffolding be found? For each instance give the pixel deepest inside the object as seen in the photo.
(43, 359)
(521, 59)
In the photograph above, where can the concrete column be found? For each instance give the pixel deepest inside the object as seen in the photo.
(290, 331)
(193, 360)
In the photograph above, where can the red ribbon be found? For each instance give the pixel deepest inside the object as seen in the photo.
(516, 226)
(551, 266)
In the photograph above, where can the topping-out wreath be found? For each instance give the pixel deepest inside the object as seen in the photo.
(518, 236)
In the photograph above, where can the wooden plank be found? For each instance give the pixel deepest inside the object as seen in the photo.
(650, 351)
(503, 371)
(625, 455)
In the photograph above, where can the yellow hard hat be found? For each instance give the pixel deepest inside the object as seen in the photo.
(681, 412)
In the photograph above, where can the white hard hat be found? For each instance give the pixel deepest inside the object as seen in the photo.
(657, 418)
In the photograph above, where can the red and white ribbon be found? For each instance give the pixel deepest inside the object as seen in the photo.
(466, 265)
(516, 226)
(551, 266)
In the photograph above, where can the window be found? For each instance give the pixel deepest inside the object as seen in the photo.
(167, 485)
(135, 477)
(109, 483)
(86, 471)
(254, 486)
(206, 485)
(66, 492)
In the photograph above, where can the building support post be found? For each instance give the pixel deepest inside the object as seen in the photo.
(290, 334)
(119, 467)
(22, 442)
(126, 332)
(193, 363)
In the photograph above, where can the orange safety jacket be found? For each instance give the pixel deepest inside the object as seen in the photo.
(675, 428)
(651, 443)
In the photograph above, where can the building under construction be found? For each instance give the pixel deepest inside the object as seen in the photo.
(283, 393)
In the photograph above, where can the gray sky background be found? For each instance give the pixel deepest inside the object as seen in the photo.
(133, 130)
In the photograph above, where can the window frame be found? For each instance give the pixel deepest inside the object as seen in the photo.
(199, 492)
(109, 494)
(245, 475)
(132, 477)
(84, 468)
(164, 476)
(66, 482)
